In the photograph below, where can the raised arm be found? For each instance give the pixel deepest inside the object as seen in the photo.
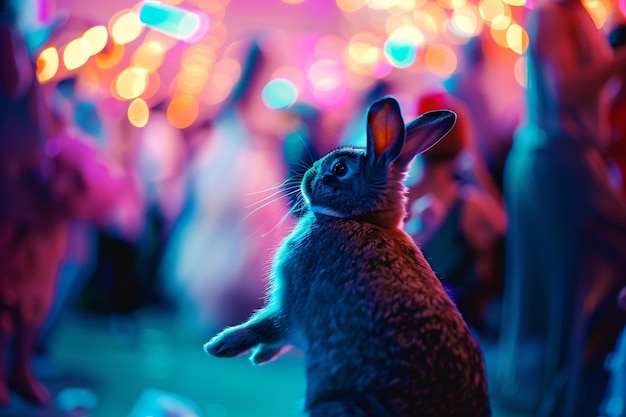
(264, 330)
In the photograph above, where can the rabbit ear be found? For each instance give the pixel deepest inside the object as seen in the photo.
(424, 132)
(385, 131)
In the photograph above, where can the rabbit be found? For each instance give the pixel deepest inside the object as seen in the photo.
(380, 335)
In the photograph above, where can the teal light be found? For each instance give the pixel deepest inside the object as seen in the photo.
(173, 21)
(400, 51)
(279, 94)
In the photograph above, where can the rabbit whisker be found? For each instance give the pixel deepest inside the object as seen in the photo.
(304, 142)
(265, 202)
(281, 222)
(273, 187)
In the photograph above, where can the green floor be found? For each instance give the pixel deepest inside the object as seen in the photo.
(154, 366)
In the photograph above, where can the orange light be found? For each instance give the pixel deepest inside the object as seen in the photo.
(110, 56)
(598, 11)
(182, 111)
(440, 60)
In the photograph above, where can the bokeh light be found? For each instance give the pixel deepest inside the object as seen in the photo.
(517, 38)
(138, 112)
(430, 18)
(325, 75)
(375, 38)
(517, 3)
(349, 6)
(131, 82)
(441, 60)
(499, 36)
(501, 22)
(452, 4)
(279, 94)
(149, 55)
(490, 9)
(192, 78)
(76, 53)
(466, 20)
(174, 21)
(363, 50)
(182, 111)
(402, 45)
(47, 64)
(126, 28)
(97, 38)
(519, 71)
(598, 11)
(380, 4)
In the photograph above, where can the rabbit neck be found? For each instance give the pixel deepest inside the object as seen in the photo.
(384, 218)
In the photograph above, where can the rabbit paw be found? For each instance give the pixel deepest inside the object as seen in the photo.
(230, 343)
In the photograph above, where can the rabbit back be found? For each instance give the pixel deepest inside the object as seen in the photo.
(375, 322)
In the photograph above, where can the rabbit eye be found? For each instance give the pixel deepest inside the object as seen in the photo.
(340, 169)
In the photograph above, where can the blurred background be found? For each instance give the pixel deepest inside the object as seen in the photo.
(196, 116)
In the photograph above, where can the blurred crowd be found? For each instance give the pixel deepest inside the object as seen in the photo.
(521, 210)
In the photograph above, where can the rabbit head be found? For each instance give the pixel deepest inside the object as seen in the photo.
(367, 184)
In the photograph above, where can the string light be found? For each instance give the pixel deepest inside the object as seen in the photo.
(375, 37)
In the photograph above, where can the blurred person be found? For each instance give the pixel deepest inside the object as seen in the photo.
(458, 221)
(566, 242)
(126, 276)
(617, 148)
(222, 241)
(300, 148)
(614, 404)
(47, 178)
(491, 103)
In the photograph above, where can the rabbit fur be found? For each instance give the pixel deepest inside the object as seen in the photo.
(348, 286)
